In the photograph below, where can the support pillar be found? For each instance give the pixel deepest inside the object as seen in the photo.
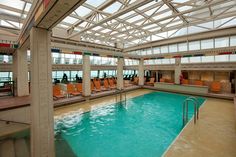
(235, 83)
(177, 70)
(157, 76)
(141, 72)
(120, 66)
(20, 72)
(42, 131)
(86, 76)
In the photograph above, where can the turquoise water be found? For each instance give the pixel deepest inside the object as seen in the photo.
(145, 127)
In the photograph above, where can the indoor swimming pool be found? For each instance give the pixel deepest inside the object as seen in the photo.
(145, 126)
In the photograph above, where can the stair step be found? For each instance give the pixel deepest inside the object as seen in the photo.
(7, 149)
(21, 148)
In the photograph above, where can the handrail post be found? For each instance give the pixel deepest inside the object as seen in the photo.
(183, 114)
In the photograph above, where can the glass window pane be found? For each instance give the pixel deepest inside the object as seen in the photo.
(195, 59)
(194, 45)
(185, 60)
(221, 42)
(165, 61)
(173, 48)
(222, 58)
(233, 58)
(182, 47)
(207, 44)
(164, 49)
(233, 41)
(206, 59)
(156, 50)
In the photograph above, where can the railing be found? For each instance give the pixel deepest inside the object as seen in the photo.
(8, 87)
(120, 92)
(10, 121)
(185, 109)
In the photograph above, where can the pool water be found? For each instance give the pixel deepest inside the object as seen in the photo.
(146, 126)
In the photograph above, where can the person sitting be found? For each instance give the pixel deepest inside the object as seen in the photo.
(64, 79)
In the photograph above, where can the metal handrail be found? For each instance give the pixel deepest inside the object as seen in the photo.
(119, 91)
(185, 109)
(10, 121)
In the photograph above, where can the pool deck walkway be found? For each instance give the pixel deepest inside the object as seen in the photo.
(214, 135)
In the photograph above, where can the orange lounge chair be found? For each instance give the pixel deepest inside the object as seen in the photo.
(106, 84)
(185, 82)
(135, 80)
(92, 87)
(151, 82)
(71, 90)
(215, 86)
(79, 87)
(57, 92)
(97, 85)
(198, 83)
(112, 84)
(162, 80)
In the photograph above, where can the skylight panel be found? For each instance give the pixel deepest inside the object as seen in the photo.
(105, 30)
(184, 8)
(136, 18)
(166, 21)
(95, 3)
(4, 23)
(127, 14)
(70, 20)
(113, 8)
(174, 23)
(147, 5)
(160, 16)
(18, 4)
(150, 26)
(63, 26)
(180, 1)
(150, 12)
(3, 11)
(27, 7)
(97, 28)
(82, 11)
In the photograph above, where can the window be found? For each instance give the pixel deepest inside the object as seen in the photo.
(207, 44)
(182, 47)
(233, 41)
(206, 59)
(194, 45)
(222, 58)
(95, 74)
(156, 50)
(164, 49)
(233, 58)
(195, 59)
(173, 48)
(185, 60)
(221, 42)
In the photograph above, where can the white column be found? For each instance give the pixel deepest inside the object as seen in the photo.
(86, 76)
(235, 83)
(20, 72)
(157, 75)
(42, 131)
(177, 70)
(141, 72)
(120, 66)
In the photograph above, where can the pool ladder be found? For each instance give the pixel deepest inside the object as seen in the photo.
(119, 92)
(186, 106)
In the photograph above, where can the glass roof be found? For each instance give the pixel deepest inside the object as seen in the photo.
(112, 21)
(13, 14)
